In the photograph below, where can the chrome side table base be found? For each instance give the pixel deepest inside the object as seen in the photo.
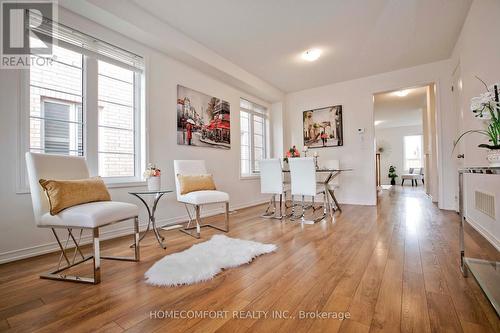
(152, 220)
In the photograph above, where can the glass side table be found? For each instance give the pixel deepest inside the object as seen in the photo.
(141, 195)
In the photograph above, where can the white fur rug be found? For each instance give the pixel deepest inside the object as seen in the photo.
(201, 262)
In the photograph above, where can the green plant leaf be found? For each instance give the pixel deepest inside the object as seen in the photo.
(483, 132)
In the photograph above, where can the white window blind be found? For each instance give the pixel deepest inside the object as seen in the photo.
(253, 127)
(75, 40)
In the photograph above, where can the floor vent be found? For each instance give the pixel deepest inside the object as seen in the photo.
(485, 203)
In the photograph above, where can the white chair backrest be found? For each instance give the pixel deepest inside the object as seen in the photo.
(416, 171)
(45, 166)
(303, 176)
(331, 165)
(271, 176)
(187, 167)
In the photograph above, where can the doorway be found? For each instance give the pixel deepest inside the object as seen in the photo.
(405, 140)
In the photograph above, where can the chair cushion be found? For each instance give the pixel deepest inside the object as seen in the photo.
(412, 176)
(91, 215)
(204, 197)
(68, 193)
(192, 183)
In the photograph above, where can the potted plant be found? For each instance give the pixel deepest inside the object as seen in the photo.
(487, 107)
(392, 174)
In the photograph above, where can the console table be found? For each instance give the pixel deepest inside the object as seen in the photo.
(486, 272)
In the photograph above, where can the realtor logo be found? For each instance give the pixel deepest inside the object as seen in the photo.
(23, 43)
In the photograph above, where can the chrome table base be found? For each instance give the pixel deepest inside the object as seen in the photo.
(152, 220)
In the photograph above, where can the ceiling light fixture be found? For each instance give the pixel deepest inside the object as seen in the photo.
(402, 93)
(311, 55)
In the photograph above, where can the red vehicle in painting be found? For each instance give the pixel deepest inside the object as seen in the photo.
(218, 129)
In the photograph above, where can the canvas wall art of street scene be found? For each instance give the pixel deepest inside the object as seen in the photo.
(323, 127)
(202, 120)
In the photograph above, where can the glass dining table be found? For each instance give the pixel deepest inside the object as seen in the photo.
(330, 175)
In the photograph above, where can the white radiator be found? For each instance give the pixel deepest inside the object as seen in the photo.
(485, 203)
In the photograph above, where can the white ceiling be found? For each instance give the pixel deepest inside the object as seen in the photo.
(358, 37)
(391, 110)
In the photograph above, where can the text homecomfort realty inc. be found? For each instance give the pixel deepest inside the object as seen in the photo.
(226, 314)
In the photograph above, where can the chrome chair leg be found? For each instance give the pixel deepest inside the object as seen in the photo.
(96, 257)
(271, 208)
(294, 216)
(189, 215)
(302, 216)
(272, 211)
(199, 225)
(281, 206)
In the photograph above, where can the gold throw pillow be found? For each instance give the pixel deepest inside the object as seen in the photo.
(63, 194)
(192, 183)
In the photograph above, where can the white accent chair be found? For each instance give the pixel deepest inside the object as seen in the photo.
(271, 182)
(304, 183)
(89, 216)
(198, 198)
(415, 174)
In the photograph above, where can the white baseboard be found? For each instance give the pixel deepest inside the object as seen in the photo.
(37, 250)
(485, 233)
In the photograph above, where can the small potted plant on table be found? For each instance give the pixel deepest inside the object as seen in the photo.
(392, 174)
(153, 177)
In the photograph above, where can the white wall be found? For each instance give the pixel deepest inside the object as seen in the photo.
(358, 152)
(477, 53)
(392, 140)
(18, 235)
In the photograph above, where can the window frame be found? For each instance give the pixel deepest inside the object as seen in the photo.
(90, 132)
(265, 135)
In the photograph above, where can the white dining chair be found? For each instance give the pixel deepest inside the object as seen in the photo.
(89, 216)
(271, 182)
(197, 199)
(303, 183)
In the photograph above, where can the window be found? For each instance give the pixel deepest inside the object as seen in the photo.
(116, 121)
(56, 117)
(88, 103)
(253, 126)
(413, 151)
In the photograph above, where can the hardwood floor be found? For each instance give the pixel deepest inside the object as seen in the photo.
(391, 268)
